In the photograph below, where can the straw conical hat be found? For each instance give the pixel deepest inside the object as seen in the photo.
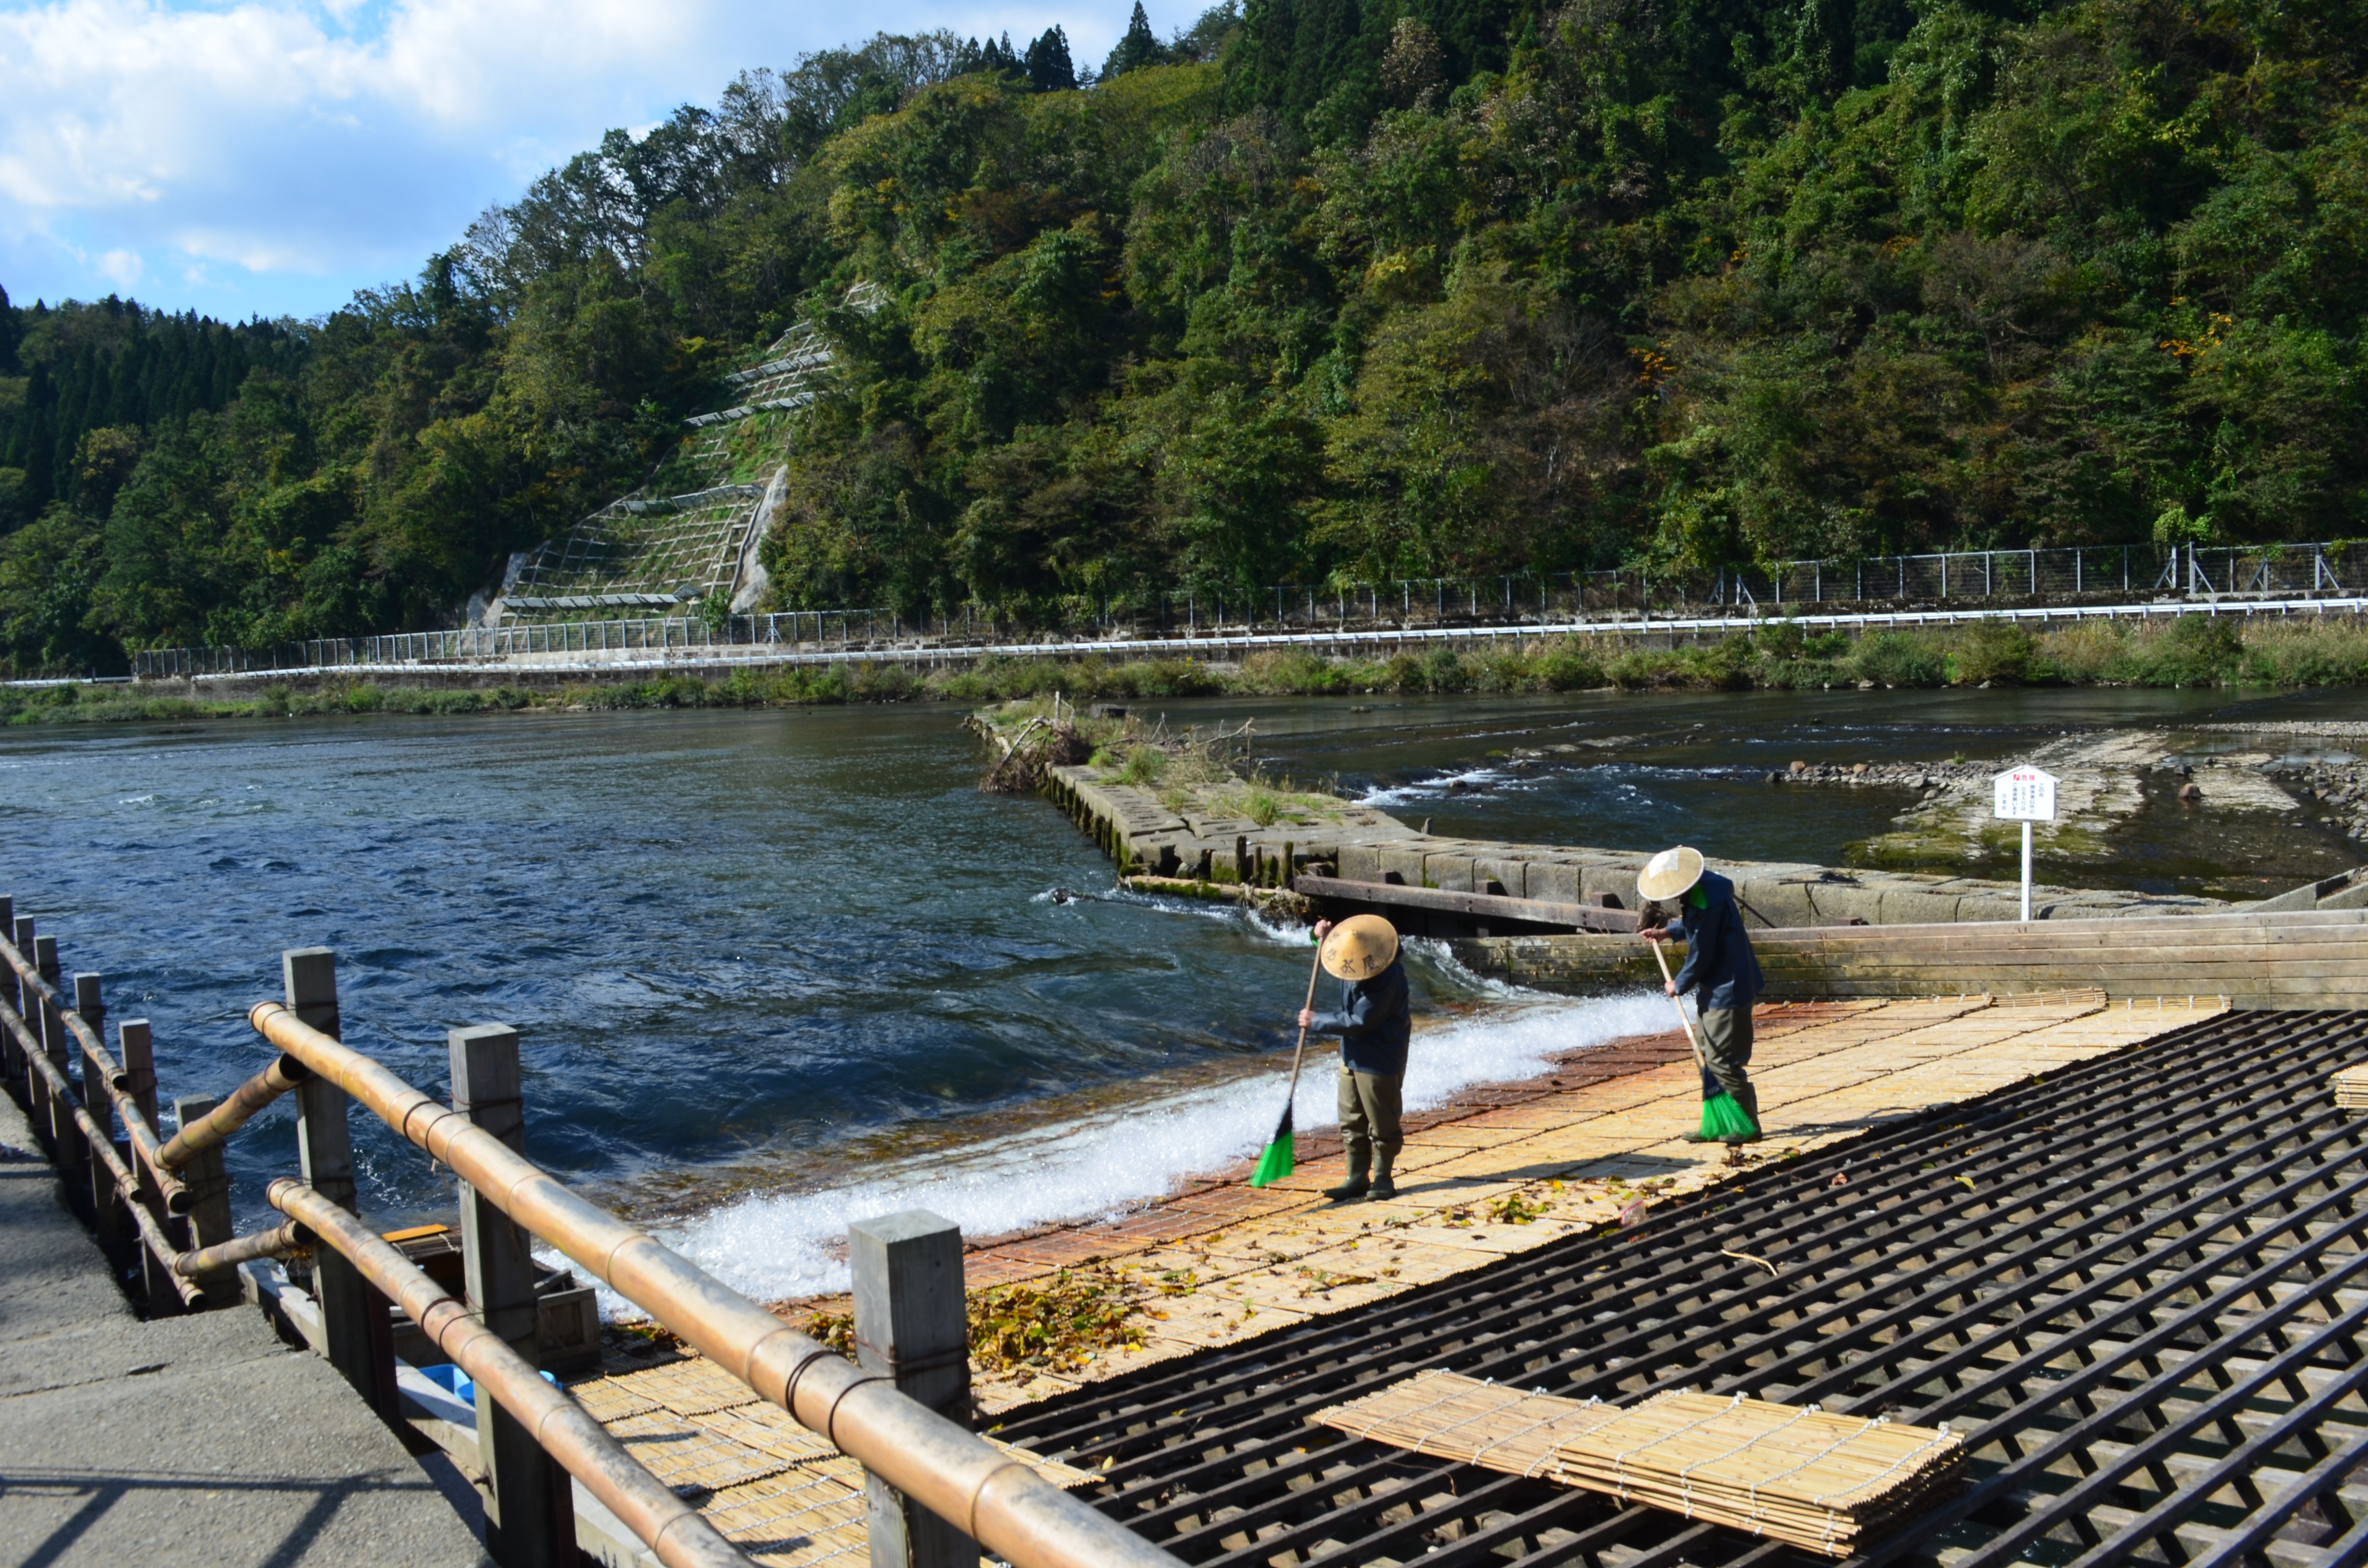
(1668, 874)
(1359, 947)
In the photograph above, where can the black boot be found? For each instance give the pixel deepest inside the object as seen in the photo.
(1749, 1100)
(1356, 1186)
(1384, 1188)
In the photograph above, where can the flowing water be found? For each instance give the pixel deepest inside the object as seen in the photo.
(778, 970)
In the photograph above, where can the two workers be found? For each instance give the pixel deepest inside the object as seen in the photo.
(1374, 1020)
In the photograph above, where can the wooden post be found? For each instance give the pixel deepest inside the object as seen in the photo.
(30, 1013)
(530, 1509)
(138, 1054)
(209, 1184)
(912, 1327)
(357, 1334)
(107, 1217)
(8, 995)
(66, 1138)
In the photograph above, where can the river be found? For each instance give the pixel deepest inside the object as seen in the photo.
(776, 970)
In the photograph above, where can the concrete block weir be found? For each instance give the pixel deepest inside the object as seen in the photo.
(1560, 917)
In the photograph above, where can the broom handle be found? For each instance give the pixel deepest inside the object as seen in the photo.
(1313, 971)
(1688, 1024)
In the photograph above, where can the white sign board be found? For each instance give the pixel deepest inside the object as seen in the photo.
(2023, 794)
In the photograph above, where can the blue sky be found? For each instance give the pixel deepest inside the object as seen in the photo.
(261, 157)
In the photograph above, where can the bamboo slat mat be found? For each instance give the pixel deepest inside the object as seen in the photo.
(689, 1458)
(1812, 1480)
(2351, 1089)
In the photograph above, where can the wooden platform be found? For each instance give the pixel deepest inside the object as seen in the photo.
(2315, 958)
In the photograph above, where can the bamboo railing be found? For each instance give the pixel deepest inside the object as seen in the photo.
(168, 1201)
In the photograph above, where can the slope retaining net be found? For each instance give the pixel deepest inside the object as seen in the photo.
(686, 535)
(2137, 1290)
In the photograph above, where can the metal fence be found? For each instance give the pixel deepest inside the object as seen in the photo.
(2088, 574)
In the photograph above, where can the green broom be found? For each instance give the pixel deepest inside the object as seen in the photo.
(1274, 1163)
(1722, 1117)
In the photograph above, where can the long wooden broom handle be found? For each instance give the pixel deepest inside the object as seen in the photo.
(1684, 1022)
(1313, 971)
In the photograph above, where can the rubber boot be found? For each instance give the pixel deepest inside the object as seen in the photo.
(1749, 1100)
(1383, 1188)
(1355, 1187)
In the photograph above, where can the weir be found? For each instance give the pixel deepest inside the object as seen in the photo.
(1561, 918)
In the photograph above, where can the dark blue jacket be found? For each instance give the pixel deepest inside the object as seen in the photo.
(1720, 967)
(1373, 1022)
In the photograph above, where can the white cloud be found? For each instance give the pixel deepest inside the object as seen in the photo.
(311, 148)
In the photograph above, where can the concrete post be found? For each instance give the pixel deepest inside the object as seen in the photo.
(357, 1334)
(529, 1511)
(912, 1326)
(209, 1186)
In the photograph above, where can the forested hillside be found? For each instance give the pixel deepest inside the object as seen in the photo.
(1322, 289)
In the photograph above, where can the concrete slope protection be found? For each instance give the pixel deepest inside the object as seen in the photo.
(2134, 1285)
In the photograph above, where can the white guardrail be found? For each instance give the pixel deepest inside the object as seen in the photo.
(1232, 645)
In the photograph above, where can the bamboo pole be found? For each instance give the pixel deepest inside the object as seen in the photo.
(137, 1124)
(245, 1102)
(278, 1242)
(1683, 1022)
(175, 1190)
(671, 1527)
(995, 1500)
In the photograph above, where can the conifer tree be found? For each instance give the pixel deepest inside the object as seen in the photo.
(1048, 65)
(1138, 49)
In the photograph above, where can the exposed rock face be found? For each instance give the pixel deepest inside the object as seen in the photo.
(1887, 775)
(2100, 780)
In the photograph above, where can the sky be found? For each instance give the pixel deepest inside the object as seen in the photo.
(271, 157)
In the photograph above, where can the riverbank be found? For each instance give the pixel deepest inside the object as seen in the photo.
(2193, 651)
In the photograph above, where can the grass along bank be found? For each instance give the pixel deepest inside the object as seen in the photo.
(2190, 650)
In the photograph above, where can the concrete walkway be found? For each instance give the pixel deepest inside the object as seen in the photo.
(196, 1439)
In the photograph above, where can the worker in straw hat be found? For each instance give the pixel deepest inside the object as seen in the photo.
(1373, 1023)
(1720, 969)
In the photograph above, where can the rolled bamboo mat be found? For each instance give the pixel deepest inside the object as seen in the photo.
(1823, 1483)
(2351, 1089)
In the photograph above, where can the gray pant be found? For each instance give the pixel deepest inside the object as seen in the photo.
(1370, 1106)
(1726, 1050)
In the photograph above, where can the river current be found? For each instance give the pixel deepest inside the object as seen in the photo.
(778, 970)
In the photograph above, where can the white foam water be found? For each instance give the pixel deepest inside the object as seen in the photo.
(793, 1245)
(1478, 780)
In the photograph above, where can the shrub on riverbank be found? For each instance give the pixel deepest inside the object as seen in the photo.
(2191, 650)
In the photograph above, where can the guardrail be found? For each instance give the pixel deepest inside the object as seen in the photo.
(2081, 575)
(167, 1203)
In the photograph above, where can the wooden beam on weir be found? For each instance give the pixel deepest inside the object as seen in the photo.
(2301, 959)
(1475, 905)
